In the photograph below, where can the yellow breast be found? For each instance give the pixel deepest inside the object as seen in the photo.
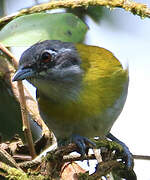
(103, 83)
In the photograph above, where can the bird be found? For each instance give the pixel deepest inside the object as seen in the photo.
(81, 89)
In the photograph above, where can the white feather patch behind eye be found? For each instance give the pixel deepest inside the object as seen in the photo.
(50, 52)
(64, 50)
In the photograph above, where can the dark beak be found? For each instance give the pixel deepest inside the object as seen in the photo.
(22, 74)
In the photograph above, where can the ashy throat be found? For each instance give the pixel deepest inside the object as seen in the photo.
(58, 92)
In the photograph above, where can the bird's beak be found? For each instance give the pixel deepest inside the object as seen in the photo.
(22, 74)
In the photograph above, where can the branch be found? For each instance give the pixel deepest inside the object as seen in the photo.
(26, 126)
(136, 8)
(8, 72)
(11, 173)
(141, 157)
(56, 162)
(5, 157)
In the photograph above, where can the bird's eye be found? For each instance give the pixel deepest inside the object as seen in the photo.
(46, 57)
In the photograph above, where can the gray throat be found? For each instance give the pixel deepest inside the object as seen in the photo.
(59, 90)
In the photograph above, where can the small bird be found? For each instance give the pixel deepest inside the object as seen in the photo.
(81, 89)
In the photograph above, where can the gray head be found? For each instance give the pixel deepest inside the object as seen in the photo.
(51, 60)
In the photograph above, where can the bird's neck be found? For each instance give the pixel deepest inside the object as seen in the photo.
(59, 92)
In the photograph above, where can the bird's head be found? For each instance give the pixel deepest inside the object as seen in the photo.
(49, 60)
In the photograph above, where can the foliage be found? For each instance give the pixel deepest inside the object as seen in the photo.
(29, 29)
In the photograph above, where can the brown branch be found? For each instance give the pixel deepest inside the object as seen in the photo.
(8, 71)
(6, 51)
(8, 159)
(25, 121)
(26, 126)
(136, 8)
(71, 158)
(141, 157)
(105, 168)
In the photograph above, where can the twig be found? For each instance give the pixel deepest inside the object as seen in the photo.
(8, 159)
(6, 51)
(141, 157)
(136, 8)
(71, 158)
(26, 126)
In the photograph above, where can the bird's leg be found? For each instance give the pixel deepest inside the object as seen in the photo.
(127, 153)
(83, 143)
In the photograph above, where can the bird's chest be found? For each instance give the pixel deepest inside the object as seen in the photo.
(87, 117)
(60, 107)
(62, 118)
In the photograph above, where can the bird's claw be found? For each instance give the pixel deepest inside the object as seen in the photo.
(82, 143)
(127, 154)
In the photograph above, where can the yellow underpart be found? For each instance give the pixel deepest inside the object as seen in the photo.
(103, 82)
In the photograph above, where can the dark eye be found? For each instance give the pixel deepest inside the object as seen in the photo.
(46, 57)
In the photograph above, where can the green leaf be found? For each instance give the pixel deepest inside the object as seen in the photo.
(29, 29)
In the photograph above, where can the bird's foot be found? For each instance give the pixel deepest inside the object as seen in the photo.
(82, 143)
(127, 154)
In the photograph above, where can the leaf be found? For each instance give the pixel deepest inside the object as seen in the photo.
(29, 29)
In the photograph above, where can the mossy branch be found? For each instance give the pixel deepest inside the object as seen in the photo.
(16, 174)
(136, 8)
(58, 160)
